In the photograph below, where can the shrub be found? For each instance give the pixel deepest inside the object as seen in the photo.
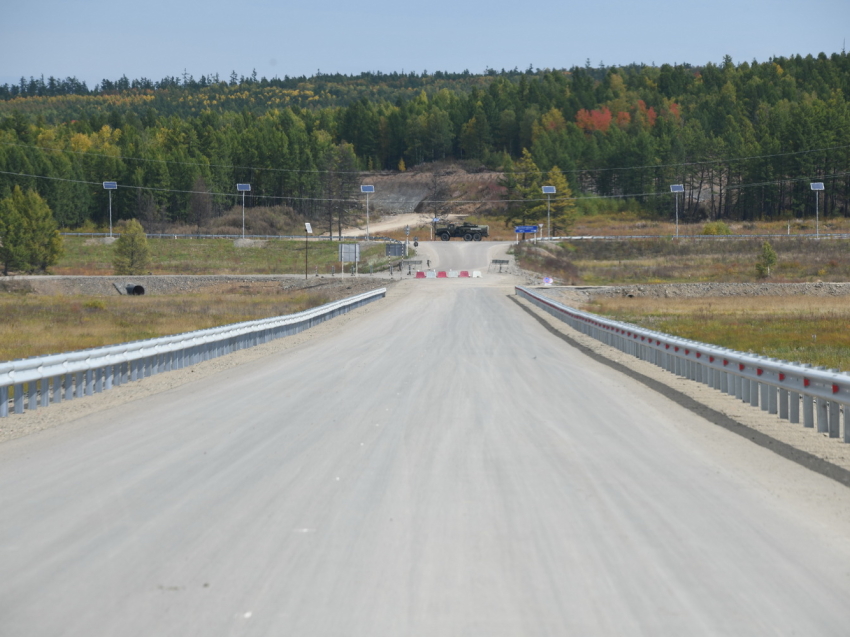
(767, 259)
(716, 228)
(132, 254)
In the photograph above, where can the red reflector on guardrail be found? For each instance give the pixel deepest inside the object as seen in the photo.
(834, 389)
(741, 367)
(781, 376)
(759, 372)
(806, 382)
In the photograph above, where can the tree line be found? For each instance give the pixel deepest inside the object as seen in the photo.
(744, 139)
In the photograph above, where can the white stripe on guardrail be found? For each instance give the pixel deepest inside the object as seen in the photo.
(39, 381)
(778, 387)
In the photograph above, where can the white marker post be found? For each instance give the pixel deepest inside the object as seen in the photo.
(243, 188)
(367, 190)
(677, 188)
(109, 186)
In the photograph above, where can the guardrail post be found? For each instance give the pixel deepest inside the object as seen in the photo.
(823, 416)
(834, 410)
(45, 392)
(19, 398)
(794, 407)
(32, 394)
(57, 389)
(754, 393)
(771, 399)
(89, 384)
(808, 411)
(4, 401)
(783, 403)
(745, 389)
(765, 394)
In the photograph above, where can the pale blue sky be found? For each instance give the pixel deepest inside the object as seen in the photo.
(95, 39)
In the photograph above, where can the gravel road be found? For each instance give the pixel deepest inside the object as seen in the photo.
(437, 465)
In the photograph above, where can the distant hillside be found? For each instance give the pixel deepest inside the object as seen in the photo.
(745, 140)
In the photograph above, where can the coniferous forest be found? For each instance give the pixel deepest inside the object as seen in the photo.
(745, 139)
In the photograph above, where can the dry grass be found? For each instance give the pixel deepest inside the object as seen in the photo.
(810, 330)
(215, 256)
(36, 325)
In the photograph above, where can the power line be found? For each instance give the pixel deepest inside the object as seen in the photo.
(448, 201)
(361, 172)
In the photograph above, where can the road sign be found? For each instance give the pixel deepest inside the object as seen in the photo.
(818, 185)
(308, 228)
(549, 190)
(407, 230)
(395, 249)
(243, 187)
(349, 252)
(677, 188)
(500, 261)
(525, 229)
(110, 185)
(367, 188)
(547, 280)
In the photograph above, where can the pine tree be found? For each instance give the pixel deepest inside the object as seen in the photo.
(28, 233)
(131, 254)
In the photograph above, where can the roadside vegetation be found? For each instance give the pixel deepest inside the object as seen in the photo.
(689, 260)
(87, 256)
(34, 325)
(794, 328)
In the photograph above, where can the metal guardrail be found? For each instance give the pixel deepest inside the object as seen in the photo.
(40, 381)
(778, 387)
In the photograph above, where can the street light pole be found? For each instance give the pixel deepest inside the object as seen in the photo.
(367, 190)
(677, 188)
(109, 186)
(549, 191)
(243, 188)
(817, 186)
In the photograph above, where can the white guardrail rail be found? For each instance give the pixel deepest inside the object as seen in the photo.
(778, 387)
(37, 382)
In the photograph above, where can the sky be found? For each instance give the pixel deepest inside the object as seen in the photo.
(96, 39)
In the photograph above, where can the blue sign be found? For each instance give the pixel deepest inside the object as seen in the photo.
(243, 187)
(110, 185)
(525, 229)
(367, 188)
(549, 190)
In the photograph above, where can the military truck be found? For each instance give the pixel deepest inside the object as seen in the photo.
(469, 231)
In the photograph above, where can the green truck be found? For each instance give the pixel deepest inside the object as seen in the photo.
(469, 231)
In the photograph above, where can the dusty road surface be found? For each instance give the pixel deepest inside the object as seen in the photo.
(441, 466)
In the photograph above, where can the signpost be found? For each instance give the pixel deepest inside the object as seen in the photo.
(367, 190)
(677, 188)
(349, 253)
(524, 230)
(243, 188)
(110, 186)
